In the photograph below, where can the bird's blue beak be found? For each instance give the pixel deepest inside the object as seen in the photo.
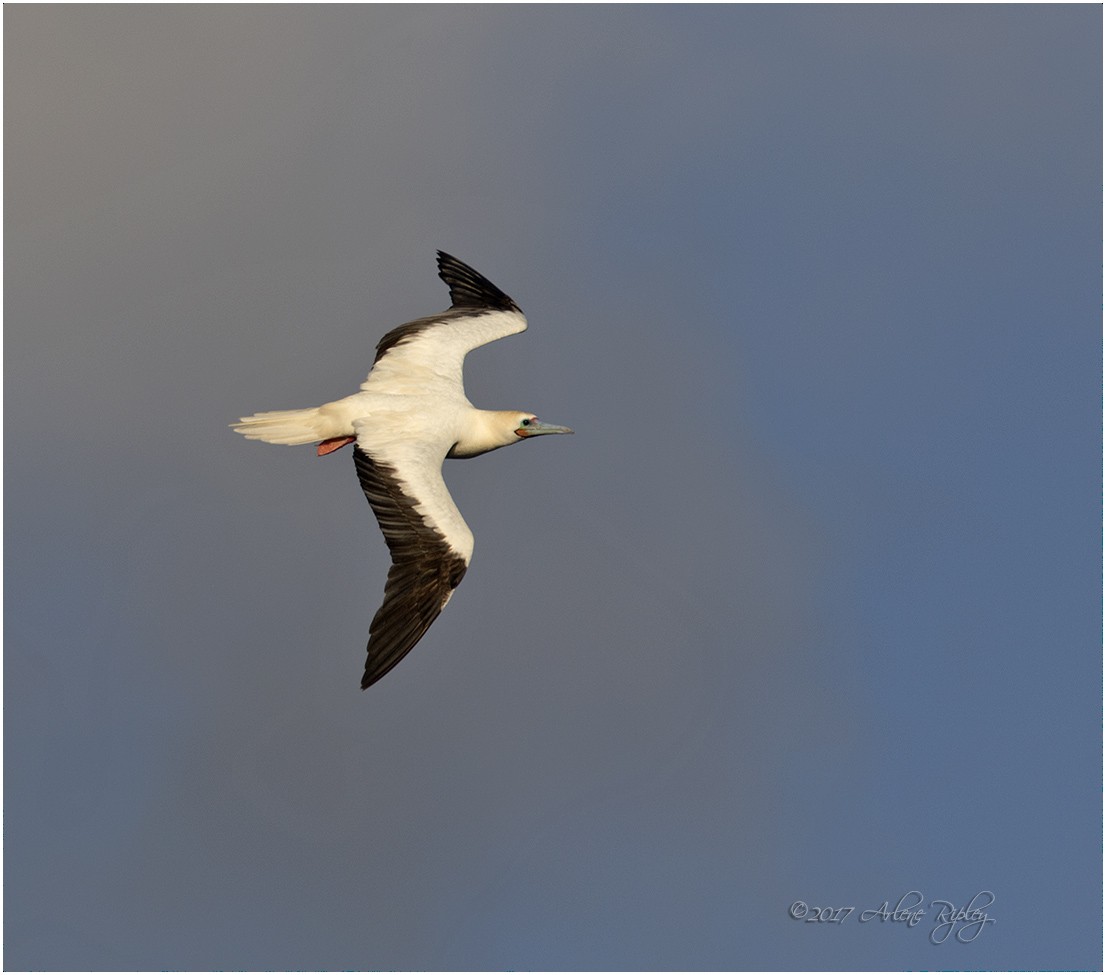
(535, 428)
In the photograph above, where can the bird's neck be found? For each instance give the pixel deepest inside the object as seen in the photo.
(485, 430)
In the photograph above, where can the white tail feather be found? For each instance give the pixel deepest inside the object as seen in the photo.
(284, 426)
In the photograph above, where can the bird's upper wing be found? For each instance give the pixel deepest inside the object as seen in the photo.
(429, 541)
(434, 348)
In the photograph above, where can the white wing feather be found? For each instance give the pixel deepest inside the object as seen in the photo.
(430, 357)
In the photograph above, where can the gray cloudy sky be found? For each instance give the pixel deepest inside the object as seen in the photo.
(808, 609)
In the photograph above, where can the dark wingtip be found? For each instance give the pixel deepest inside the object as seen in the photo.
(469, 288)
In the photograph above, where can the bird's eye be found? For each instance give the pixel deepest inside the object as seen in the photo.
(526, 423)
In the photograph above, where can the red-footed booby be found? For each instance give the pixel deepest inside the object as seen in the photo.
(410, 414)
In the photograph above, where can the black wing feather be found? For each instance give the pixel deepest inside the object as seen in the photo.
(424, 573)
(468, 288)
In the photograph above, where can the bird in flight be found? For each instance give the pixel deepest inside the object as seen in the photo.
(410, 414)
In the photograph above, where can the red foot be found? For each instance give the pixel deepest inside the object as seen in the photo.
(333, 444)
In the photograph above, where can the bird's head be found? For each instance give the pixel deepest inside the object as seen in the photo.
(491, 429)
(527, 425)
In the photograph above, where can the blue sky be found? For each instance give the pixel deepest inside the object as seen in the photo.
(808, 609)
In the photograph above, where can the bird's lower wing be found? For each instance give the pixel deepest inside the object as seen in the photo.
(430, 546)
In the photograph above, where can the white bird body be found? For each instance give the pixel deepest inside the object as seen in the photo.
(410, 414)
